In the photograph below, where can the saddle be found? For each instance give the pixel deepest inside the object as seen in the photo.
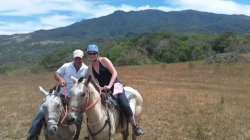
(110, 101)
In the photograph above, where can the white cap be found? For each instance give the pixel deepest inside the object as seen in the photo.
(78, 53)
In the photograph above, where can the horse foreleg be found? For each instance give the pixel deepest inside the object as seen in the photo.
(134, 137)
(125, 134)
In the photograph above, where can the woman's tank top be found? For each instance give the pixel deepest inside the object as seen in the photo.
(104, 75)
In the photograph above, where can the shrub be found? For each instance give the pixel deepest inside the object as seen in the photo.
(37, 69)
(4, 69)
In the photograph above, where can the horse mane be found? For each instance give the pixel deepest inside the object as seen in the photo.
(56, 87)
(93, 86)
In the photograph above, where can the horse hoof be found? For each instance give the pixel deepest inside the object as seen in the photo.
(33, 138)
(86, 138)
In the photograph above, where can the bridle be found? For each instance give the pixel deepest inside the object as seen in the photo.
(86, 106)
(55, 120)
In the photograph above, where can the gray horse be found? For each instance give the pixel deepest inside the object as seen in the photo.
(54, 113)
(102, 122)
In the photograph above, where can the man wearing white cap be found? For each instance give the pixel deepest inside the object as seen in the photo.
(75, 68)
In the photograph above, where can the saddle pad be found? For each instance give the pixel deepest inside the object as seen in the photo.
(114, 100)
(128, 95)
(118, 88)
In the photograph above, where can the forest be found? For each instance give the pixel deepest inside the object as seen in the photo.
(144, 48)
(157, 47)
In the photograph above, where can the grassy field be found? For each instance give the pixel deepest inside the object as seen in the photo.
(181, 101)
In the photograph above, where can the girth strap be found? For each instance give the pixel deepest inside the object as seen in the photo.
(106, 122)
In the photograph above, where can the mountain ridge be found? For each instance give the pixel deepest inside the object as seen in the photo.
(118, 24)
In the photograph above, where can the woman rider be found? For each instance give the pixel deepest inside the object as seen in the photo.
(102, 69)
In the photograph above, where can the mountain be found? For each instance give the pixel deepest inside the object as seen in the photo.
(34, 45)
(120, 23)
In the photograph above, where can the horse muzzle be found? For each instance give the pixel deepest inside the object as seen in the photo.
(71, 120)
(52, 129)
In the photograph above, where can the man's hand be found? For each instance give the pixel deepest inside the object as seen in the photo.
(62, 83)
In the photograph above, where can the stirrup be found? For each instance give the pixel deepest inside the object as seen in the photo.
(111, 105)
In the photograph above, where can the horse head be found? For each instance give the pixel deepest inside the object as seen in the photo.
(53, 108)
(78, 97)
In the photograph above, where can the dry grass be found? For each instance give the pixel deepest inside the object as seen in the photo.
(181, 101)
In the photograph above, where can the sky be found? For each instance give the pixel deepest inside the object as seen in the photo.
(25, 16)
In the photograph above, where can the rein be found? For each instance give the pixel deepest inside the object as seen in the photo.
(58, 117)
(66, 106)
(86, 108)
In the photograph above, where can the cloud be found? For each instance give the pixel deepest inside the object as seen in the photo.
(48, 14)
(54, 21)
(41, 14)
(37, 7)
(215, 6)
(21, 8)
(96, 8)
(25, 27)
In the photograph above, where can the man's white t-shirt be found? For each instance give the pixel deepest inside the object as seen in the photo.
(66, 71)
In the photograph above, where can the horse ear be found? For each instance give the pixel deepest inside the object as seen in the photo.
(58, 87)
(73, 79)
(87, 80)
(44, 93)
(80, 80)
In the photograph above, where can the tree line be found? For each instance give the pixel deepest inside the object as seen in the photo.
(152, 48)
(158, 47)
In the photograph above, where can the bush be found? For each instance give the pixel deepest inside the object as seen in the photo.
(226, 58)
(133, 57)
(4, 69)
(55, 59)
(37, 69)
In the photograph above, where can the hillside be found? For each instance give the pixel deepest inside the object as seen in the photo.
(21, 49)
(121, 23)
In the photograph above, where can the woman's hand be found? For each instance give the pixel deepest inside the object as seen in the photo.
(105, 88)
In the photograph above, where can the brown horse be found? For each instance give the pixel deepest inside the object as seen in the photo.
(103, 122)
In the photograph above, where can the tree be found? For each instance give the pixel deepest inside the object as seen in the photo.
(222, 42)
(55, 59)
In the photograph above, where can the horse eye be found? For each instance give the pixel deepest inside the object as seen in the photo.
(82, 95)
(43, 106)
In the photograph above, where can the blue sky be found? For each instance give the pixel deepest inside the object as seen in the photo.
(25, 16)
